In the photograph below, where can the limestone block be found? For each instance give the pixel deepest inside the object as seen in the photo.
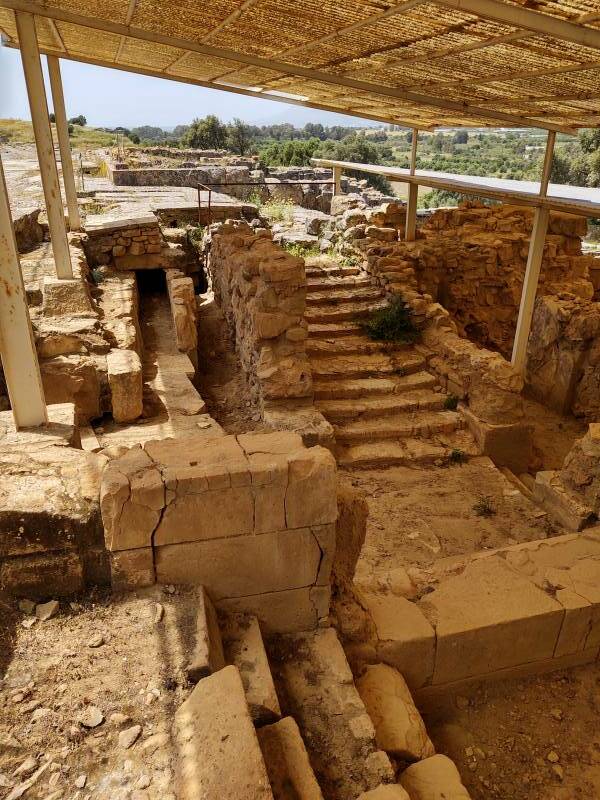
(311, 497)
(406, 637)
(207, 656)
(42, 575)
(279, 612)
(72, 379)
(132, 569)
(288, 767)
(386, 791)
(125, 381)
(489, 618)
(243, 565)
(563, 506)
(434, 778)
(219, 754)
(399, 729)
(244, 648)
(66, 297)
(508, 445)
(351, 530)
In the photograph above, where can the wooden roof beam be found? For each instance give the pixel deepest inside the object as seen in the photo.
(520, 17)
(462, 109)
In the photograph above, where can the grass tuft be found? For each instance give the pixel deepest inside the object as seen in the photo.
(484, 507)
(451, 402)
(392, 324)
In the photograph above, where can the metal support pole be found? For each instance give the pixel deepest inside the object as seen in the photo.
(34, 80)
(17, 347)
(337, 180)
(62, 129)
(413, 193)
(534, 265)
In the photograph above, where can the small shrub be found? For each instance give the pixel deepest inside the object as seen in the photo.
(301, 250)
(392, 324)
(456, 456)
(451, 402)
(278, 210)
(484, 507)
(97, 276)
(196, 233)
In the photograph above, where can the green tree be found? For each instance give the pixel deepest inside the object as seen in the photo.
(208, 133)
(239, 137)
(80, 120)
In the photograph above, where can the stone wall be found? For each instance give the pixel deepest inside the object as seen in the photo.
(262, 292)
(217, 177)
(563, 355)
(472, 260)
(250, 517)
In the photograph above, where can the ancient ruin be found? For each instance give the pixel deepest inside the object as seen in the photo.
(300, 505)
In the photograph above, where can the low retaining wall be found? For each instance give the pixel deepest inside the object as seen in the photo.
(250, 517)
(262, 292)
(511, 613)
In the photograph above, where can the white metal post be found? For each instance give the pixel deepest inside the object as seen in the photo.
(62, 130)
(17, 347)
(337, 180)
(413, 193)
(534, 264)
(34, 80)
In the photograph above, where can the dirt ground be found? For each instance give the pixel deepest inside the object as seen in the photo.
(553, 434)
(122, 659)
(433, 516)
(537, 739)
(221, 380)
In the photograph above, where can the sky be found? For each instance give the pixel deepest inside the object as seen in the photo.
(109, 98)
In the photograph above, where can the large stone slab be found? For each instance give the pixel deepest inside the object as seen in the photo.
(490, 618)
(435, 778)
(207, 656)
(218, 752)
(287, 762)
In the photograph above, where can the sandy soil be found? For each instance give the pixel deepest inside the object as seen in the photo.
(525, 740)
(422, 517)
(123, 656)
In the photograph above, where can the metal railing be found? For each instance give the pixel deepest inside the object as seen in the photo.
(223, 186)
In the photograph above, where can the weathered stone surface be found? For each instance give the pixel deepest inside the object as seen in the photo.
(351, 530)
(244, 648)
(132, 569)
(387, 791)
(207, 656)
(125, 381)
(61, 430)
(72, 379)
(399, 729)
(435, 778)
(283, 612)
(562, 504)
(288, 767)
(66, 297)
(406, 637)
(311, 496)
(219, 754)
(581, 469)
(490, 618)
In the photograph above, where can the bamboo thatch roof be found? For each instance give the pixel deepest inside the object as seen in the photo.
(422, 63)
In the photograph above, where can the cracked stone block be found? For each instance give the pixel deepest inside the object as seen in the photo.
(132, 569)
(490, 618)
(125, 381)
(278, 612)
(66, 297)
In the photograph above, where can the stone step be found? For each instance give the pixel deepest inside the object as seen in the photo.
(399, 426)
(334, 330)
(319, 284)
(312, 672)
(339, 411)
(207, 656)
(244, 648)
(448, 448)
(339, 313)
(337, 271)
(217, 747)
(288, 766)
(350, 345)
(358, 294)
(369, 387)
(363, 366)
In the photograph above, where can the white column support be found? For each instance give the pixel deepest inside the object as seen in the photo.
(410, 231)
(62, 130)
(17, 346)
(534, 264)
(34, 80)
(337, 180)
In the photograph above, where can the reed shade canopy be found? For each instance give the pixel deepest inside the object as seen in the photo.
(417, 63)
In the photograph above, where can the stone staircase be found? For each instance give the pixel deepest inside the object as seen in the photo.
(385, 407)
